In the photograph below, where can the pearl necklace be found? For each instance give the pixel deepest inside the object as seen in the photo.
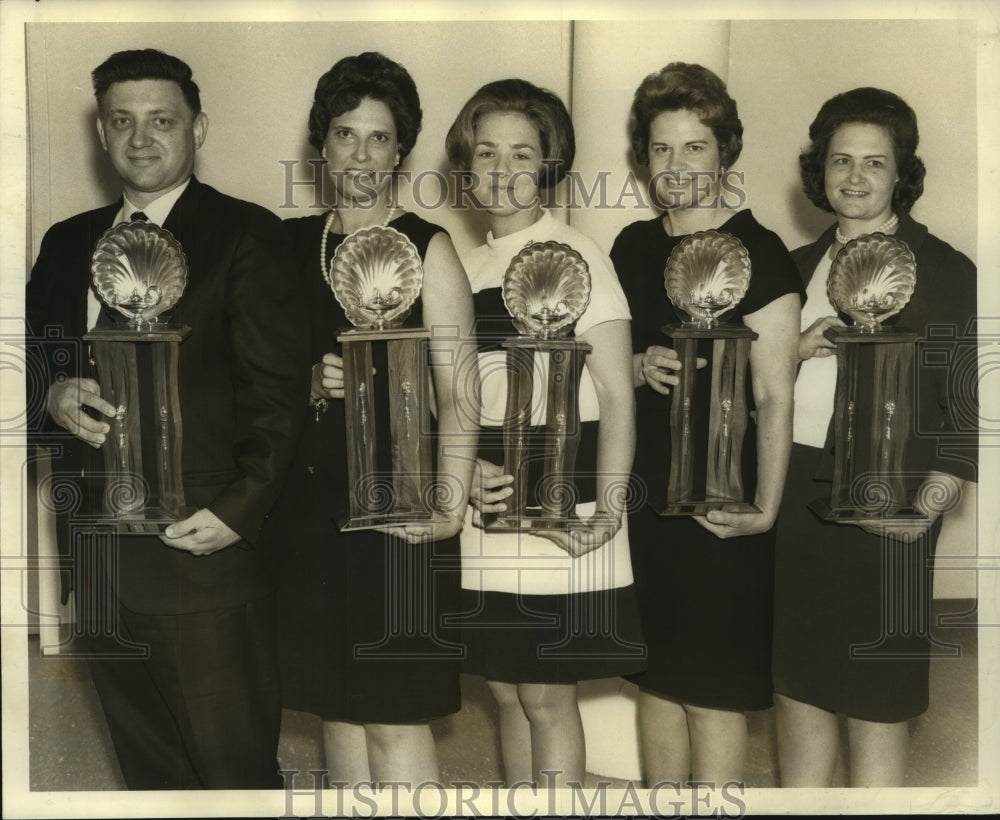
(328, 228)
(886, 227)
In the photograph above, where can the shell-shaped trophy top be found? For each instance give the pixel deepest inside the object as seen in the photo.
(376, 275)
(707, 274)
(139, 269)
(872, 278)
(546, 289)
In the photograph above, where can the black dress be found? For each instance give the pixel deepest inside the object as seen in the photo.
(705, 602)
(853, 614)
(360, 636)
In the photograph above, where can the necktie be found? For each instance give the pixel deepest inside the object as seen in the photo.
(138, 216)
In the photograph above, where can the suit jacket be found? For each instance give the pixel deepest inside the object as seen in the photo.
(942, 311)
(243, 376)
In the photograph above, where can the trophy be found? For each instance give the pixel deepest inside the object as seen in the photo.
(708, 274)
(140, 270)
(376, 275)
(871, 279)
(546, 289)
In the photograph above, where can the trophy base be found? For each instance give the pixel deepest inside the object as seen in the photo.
(706, 505)
(538, 520)
(821, 508)
(150, 521)
(400, 518)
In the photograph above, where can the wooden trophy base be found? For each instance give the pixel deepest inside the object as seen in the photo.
(822, 509)
(150, 521)
(533, 520)
(147, 521)
(705, 505)
(396, 518)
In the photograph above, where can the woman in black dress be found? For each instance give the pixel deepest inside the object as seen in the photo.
(852, 602)
(361, 640)
(705, 583)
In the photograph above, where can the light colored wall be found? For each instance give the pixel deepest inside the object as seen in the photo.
(781, 72)
(610, 60)
(257, 81)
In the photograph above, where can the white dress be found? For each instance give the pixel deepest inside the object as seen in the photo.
(522, 591)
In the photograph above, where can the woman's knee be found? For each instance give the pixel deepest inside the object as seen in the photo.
(718, 720)
(504, 693)
(393, 735)
(548, 702)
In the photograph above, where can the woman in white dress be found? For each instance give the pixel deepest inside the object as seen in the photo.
(543, 612)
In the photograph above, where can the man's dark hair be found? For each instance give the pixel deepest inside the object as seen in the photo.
(145, 64)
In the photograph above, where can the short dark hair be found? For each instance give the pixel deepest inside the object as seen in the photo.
(372, 75)
(870, 106)
(145, 64)
(546, 112)
(686, 87)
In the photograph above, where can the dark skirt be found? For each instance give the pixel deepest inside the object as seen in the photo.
(706, 609)
(852, 612)
(361, 632)
(551, 638)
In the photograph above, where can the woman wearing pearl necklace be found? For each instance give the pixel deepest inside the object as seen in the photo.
(375, 684)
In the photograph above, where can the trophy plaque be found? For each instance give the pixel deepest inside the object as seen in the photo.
(140, 270)
(871, 279)
(546, 289)
(708, 274)
(376, 275)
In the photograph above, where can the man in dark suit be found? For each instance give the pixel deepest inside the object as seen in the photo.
(202, 708)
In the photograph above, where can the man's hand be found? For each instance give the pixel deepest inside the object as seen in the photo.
(200, 534)
(65, 404)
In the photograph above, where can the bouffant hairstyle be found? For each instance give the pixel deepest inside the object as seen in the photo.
(686, 87)
(372, 75)
(544, 110)
(872, 106)
(145, 64)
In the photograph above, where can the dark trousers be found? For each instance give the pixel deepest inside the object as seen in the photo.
(203, 710)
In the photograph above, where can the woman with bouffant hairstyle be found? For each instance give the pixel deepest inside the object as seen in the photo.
(704, 582)
(343, 655)
(835, 650)
(531, 598)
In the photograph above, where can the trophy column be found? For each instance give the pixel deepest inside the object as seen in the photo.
(871, 279)
(705, 463)
(137, 369)
(559, 440)
(872, 424)
(546, 289)
(389, 460)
